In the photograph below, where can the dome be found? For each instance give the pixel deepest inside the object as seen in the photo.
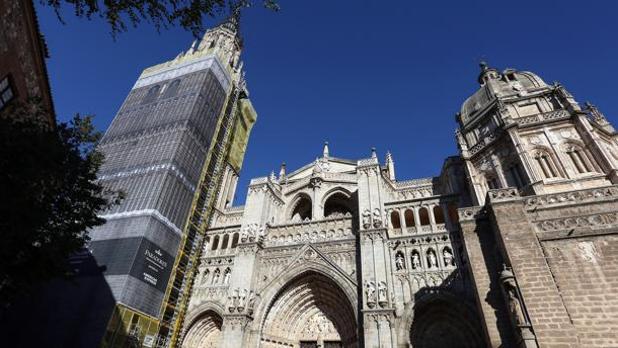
(494, 84)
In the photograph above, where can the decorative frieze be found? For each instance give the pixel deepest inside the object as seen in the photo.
(572, 197)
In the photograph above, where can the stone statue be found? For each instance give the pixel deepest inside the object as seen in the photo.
(448, 257)
(370, 291)
(382, 292)
(399, 263)
(431, 258)
(511, 294)
(377, 218)
(226, 276)
(416, 261)
(215, 277)
(366, 218)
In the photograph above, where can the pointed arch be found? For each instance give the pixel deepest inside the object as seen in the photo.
(301, 207)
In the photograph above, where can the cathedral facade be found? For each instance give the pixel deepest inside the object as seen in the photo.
(512, 245)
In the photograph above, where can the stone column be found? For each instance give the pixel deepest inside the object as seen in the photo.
(417, 220)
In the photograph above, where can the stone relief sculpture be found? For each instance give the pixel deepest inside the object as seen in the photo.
(377, 218)
(382, 294)
(512, 298)
(215, 277)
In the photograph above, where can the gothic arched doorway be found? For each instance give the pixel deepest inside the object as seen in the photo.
(310, 311)
(205, 332)
(440, 322)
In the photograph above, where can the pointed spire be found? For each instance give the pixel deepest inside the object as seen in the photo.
(390, 165)
(325, 152)
(272, 176)
(282, 172)
(373, 153)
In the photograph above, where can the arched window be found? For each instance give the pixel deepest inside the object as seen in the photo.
(235, 240)
(226, 239)
(579, 159)
(514, 176)
(545, 164)
(172, 89)
(151, 95)
(302, 209)
(409, 217)
(438, 214)
(395, 222)
(423, 215)
(337, 204)
(215, 243)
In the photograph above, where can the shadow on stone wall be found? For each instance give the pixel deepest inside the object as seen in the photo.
(71, 312)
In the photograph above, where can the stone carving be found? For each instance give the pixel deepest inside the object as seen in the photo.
(367, 218)
(399, 261)
(226, 276)
(432, 261)
(216, 276)
(590, 221)
(416, 260)
(512, 297)
(571, 197)
(382, 294)
(251, 233)
(448, 257)
(370, 292)
(377, 218)
(241, 299)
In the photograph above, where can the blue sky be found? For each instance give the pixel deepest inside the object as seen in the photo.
(389, 74)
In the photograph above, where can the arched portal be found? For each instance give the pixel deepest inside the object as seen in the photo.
(310, 311)
(205, 332)
(439, 322)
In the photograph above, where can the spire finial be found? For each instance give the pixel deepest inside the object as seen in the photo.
(483, 64)
(373, 152)
(325, 151)
(282, 171)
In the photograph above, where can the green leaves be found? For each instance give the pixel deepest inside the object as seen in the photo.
(49, 194)
(188, 14)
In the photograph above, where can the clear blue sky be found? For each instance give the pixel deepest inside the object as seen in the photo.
(358, 73)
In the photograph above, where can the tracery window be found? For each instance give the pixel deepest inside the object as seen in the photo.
(172, 89)
(151, 95)
(579, 159)
(545, 164)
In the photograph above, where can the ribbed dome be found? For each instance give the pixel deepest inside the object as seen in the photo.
(509, 82)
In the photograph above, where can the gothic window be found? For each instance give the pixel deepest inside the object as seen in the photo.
(395, 222)
(438, 214)
(423, 215)
(235, 240)
(545, 164)
(492, 182)
(579, 159)
(6, 91)
(302, 209)
(151, 95)
(337, 204)
(225, 241)
(409, 218)
(215, 243)
(514, 176)
(172, 89)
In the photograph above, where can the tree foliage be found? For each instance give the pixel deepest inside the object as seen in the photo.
(188, 14)
(50, 195)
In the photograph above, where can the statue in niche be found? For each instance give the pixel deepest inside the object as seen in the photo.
(382, 292)
(377, 218)
(416, 260)
(370, 291)
(366, 218)
(448, 257)
(431, 259)
(226, 276)
(215, 277)
(511, 295)
(399, 262)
